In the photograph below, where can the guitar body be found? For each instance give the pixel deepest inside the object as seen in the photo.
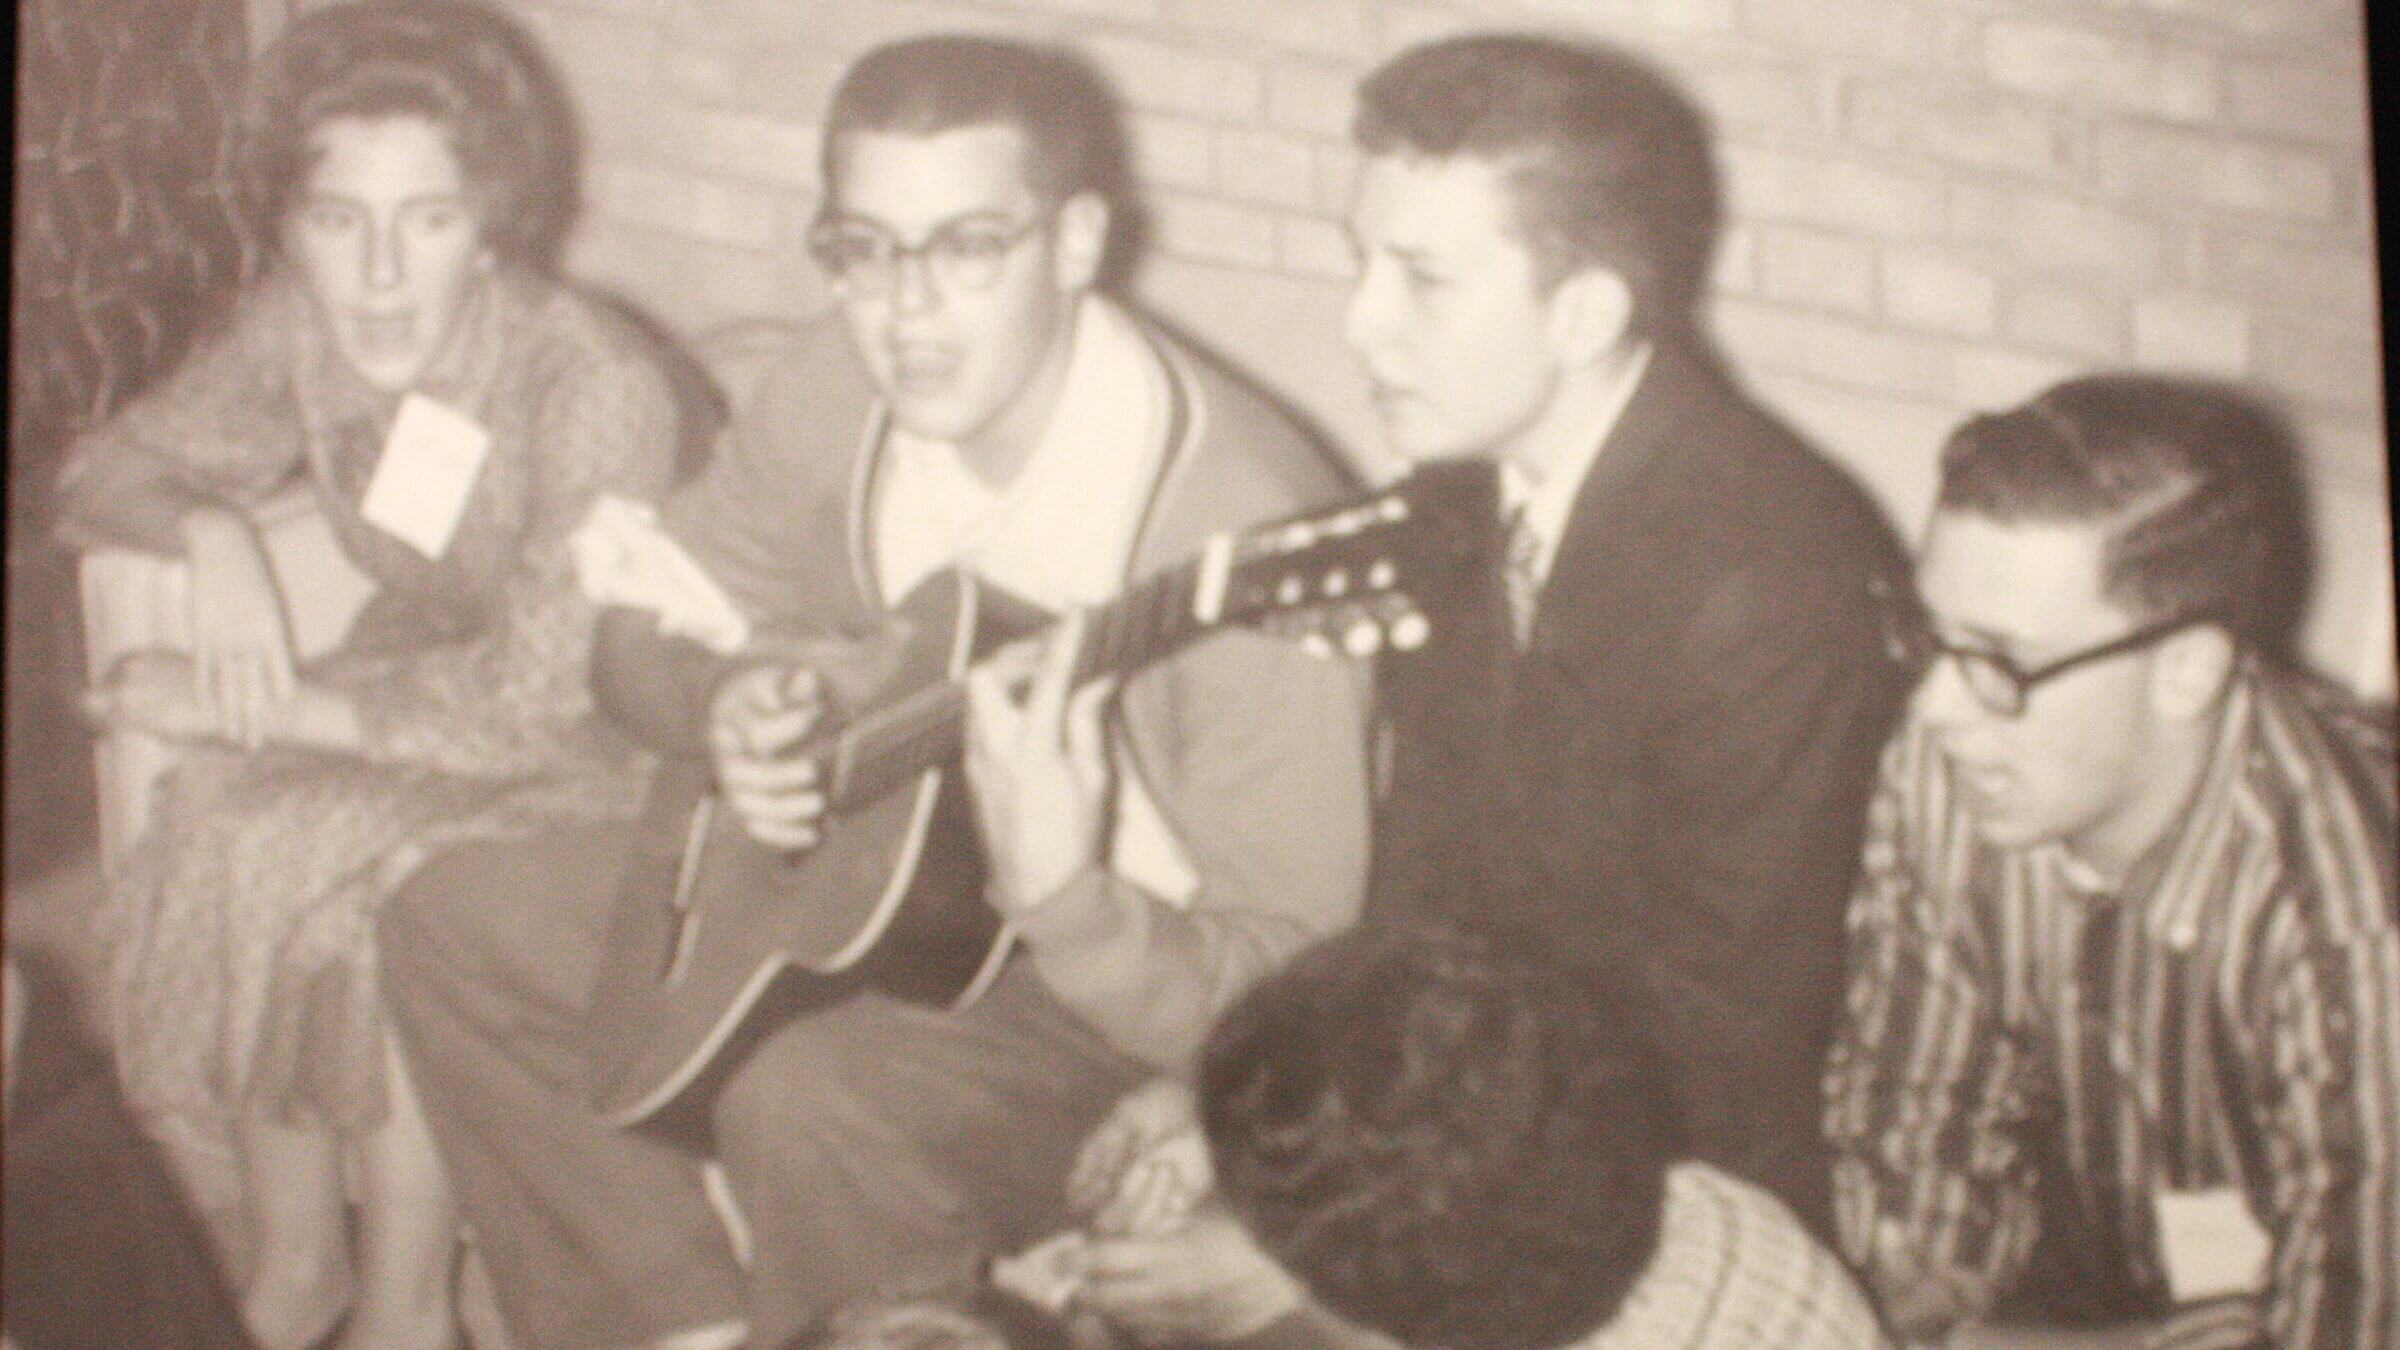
(891, 897)
(715, 936)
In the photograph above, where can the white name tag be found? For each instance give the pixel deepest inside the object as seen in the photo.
(2212, 1246)
(429, 465)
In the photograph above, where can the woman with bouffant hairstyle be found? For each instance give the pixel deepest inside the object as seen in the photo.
(455, 411)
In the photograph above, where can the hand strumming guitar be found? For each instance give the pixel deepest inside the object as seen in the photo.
(758, 719)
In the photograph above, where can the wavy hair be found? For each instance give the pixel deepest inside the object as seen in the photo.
(1448, 1136)
(462, 66)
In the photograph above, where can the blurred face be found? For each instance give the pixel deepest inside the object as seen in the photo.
(965, 325)
(1447, 318)
(2079, 765)
(386, 242)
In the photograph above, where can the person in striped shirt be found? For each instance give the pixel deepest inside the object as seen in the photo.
(2122, 1051)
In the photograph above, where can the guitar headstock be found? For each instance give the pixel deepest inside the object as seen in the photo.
(1362, 576)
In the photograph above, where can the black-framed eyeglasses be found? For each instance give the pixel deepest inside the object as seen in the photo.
(960, 255)
(1993, 678)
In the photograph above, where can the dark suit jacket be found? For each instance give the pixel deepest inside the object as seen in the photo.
(1674, 775)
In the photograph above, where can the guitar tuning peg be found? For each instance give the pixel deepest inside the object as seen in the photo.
(1364, 636)
(1409, 631)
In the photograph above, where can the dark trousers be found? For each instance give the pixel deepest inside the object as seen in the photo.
(872, 1146)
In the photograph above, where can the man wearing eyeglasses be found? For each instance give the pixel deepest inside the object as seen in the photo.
(2122, 1057)
(974, 403)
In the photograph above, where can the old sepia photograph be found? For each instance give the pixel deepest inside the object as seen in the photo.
(1266, 674)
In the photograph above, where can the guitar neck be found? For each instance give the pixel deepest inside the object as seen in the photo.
(925, 727)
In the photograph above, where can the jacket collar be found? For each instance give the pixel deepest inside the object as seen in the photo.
(1653, 442)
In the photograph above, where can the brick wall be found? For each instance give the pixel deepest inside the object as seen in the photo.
(1936, 205)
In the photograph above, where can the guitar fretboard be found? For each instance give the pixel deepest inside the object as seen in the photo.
(925, 727)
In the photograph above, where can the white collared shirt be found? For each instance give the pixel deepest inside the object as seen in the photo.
(1061, 531)
(1549, 500)
(1059, 534)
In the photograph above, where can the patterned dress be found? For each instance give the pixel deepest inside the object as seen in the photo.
(242, 926)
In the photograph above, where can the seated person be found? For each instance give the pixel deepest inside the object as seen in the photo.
(455, 412)
(974, 402)
(1447, 1139)
(2123, 972)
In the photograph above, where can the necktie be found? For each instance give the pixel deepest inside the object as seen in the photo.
(1523, 575)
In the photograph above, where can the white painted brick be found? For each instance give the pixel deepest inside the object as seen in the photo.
(590, 47)
(630, 9)
(1172, 151)
(1774, 185)
(2322, 99)
(2328, 280)
(1892, 445)
(2347, 454)
(1315, 248)
(1769, 337)
(2109, 69)
(1212, 230)
(1990, 379)
(1407, 25)
(1311, 98)
(844, 28)
(2059, 235)
(1337, 178)
(1812, 267)
(1632, 16)
(1762, 102)
(1128, 10)
(1175, 78)
(1734, 270)
(1927, 290)
(2339, 369)
(2349, 634)
(2075, 321)
(1961, 125)
(1890, 32)
(731, 213)
(1336, 26)
(761, 149)
(641, 194)
(701, 72)
(789, 82)
(1266, 167)
(2177, 165)
(2282, 24)
(2189, 332)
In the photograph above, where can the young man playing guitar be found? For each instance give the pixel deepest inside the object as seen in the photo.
(975, 404)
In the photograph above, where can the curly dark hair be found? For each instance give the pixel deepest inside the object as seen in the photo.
(463, 66)
(1609, 161)
(1447, 1135)
(2197, 481)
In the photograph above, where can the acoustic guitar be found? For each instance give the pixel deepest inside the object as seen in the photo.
(702, 941)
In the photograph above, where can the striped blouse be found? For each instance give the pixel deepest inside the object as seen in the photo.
(2231, 1019)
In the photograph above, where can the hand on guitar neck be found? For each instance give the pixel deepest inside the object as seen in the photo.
(1034, 755)
(758, 720)
(1038, 767)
